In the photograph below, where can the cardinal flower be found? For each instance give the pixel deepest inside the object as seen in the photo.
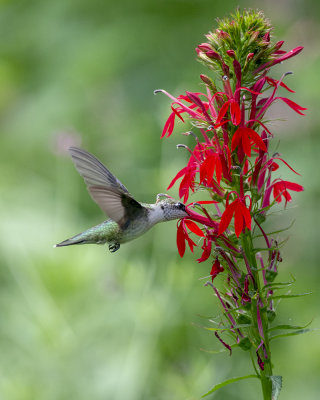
(239, 211)
(280, 189)
(216, 269)
(183, 235)
(245, 138)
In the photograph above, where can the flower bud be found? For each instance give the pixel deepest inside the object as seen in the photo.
(222, 35)
(214, 55)
(279, 44)
(266, 37)
(250, 56)
(205, 47)
(231, 53)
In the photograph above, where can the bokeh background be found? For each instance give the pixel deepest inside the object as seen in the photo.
(79, 322)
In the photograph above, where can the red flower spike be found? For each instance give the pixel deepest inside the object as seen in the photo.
(244, 137)
(216, 269)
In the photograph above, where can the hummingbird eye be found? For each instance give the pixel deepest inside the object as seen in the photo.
(180, 206)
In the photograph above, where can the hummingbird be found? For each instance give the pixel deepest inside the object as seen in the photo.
(128, 218)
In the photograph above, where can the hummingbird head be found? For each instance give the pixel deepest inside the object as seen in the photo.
(169, 208)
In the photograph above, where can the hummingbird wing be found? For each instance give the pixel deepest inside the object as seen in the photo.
(105, 189)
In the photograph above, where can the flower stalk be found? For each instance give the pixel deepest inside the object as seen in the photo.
(233, 162)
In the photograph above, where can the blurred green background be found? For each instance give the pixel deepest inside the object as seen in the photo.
(79, 322)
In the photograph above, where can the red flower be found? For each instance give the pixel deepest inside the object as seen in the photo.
(245, 138)
(235, 112)
(187, 182)
(196, 109)
(216, 269)
(169, 125)
(183, 235)
(210, 164)
(206, 247)
(241, 213)
(281, 188)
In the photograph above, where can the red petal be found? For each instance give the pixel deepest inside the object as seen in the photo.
(235, 139)
(246, 215)
(179, 175)
(168, 127)
(194, 227)
(177, 112)
(223, 111)
(184, 187)
(216, 269)
(218, 168)
(274, 82)
(253, 135)
(278, 158)
(292, 105)
(246, 145)
(207, 245)
(277, 193)
(292, 186)
(290, 54)
(286, 195)
(191, 243)
(235, 113)
(207, 168)
(238, 219)
(226, 217)
(181, 244)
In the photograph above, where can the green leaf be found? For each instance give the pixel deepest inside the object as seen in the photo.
(226, 382)
(278, 285)
(278, 231)
(289, 326)
(229, 328)
(276, 386)
(289, 296)
(299, 332)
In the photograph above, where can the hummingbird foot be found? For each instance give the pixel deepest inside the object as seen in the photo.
(114, 247)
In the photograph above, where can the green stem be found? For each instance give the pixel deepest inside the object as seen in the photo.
(249, 251)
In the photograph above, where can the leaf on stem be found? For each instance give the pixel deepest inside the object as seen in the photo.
(299, 332)
(227, 382)
(274, 328)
